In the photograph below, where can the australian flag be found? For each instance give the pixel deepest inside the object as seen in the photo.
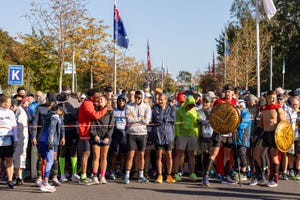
(120, 35)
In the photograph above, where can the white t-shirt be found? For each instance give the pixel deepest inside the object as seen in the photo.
(8, 123)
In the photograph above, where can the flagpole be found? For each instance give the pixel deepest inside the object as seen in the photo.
(257, 51)
(115, 59)
(271, 67)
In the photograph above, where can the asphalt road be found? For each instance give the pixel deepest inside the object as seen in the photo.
(184, 190)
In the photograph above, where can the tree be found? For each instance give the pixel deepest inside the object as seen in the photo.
(58, 21)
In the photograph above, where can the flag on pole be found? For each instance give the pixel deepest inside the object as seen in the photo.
(269, 8)
(148, 57)
(120, 35)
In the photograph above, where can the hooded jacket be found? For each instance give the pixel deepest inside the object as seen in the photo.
(141, 117)
(244, 129)
(188, 125)
(163, 128)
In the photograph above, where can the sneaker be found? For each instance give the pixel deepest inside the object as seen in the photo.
(103, 180)
(243, 177)
(46, 187)
(296, 177)
(228, 180)
(135, 175)
(253, 182)
(219, 178)
(205, 181)
(193, 177)
(262, 181)
(177, 177)
(285, 176)
(112, 176)
(63, 178)
(95, 179)
(170, 179)
(75, 178)
(272, 183)
(38, 182)
(126, 180)
(159, 179)
(292, 173)
(19, 181)
(86, 181)
(143, 180)
(55, 182)
(10, 184)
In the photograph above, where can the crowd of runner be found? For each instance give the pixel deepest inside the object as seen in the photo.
(142, 135)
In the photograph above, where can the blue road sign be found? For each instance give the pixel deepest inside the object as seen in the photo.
(15, 74)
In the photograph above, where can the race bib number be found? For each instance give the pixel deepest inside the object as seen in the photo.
(207, 131)
(120, 124)
(6, 140)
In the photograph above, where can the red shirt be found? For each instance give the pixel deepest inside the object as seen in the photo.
(225, 100)
(86, 114)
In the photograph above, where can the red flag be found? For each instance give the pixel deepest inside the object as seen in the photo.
(148, 57)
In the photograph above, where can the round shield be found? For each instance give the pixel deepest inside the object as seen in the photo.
(224, 118)
(284, 136)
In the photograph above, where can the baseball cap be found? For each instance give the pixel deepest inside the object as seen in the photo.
(293, 93)
(145, 85)
(228, 87)
(207, 98)
(122, 96)
(181, 97)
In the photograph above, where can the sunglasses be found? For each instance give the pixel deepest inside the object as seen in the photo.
(138, 97)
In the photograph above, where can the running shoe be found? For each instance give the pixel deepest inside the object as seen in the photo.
(19, 181)
(103, 180)
(170, 179)
(205, 181)
(285, 177)
(63, 178)
(292, 174)
(177, 177)
(46, 187)
(112, 176)
(272, 183)
(95, 179)
(219, 178)
(193, 177)
(10, 184)
(75, 178)
(56, 182)
(159, 179)
(228, 180)
(143, 180)
(86, 181)
(296, 177)
(38, 182)
(126, 180)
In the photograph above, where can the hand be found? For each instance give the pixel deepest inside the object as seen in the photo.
(97, 139)
(105, 141)
(34, 142)
(62, 142)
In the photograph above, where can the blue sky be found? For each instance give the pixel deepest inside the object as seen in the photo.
(180, 33)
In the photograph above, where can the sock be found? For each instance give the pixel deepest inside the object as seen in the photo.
(62, 165)
(141, 173)
(95, 172)
(275, 171)
(102, 173)
(83, 176)
(127, 173)
(74, 165)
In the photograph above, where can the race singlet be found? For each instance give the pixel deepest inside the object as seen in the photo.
(120, 123)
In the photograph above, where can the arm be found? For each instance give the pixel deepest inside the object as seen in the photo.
(111, 125)
(90, 112)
